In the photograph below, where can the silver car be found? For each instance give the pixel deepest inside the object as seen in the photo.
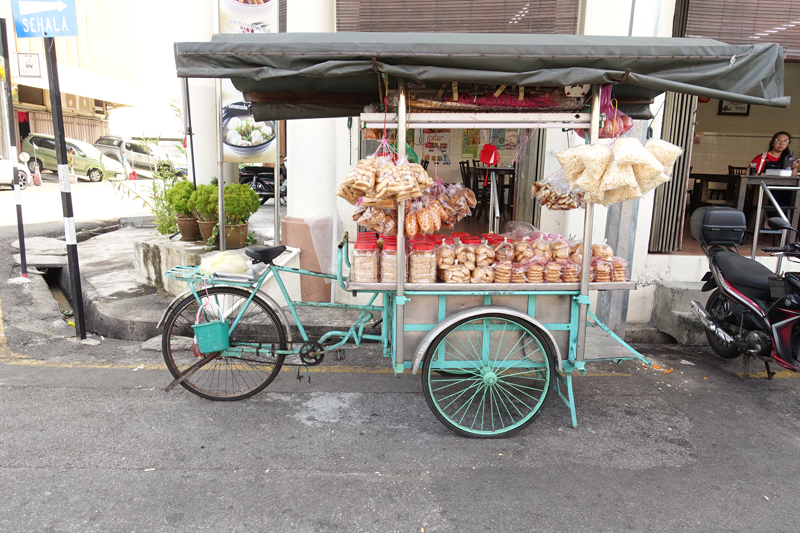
(7, 175)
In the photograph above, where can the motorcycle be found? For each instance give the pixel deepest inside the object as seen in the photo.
(262, 180)
(752, 311)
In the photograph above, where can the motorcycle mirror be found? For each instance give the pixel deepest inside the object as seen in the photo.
(24, 157)
(779, 223)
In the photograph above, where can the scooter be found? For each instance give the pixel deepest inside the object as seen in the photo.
(262, 180)
(752, 311)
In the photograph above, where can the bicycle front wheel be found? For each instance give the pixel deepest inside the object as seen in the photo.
(240, 371)
(488, 375)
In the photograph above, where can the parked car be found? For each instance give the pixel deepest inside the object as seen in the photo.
(86, 159)
(139, 154)
(7, 175)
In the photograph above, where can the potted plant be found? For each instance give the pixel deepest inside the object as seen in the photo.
(178, 198)
(240, 203)
(204, 203)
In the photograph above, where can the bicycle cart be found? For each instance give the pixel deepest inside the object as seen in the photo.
(490, 355)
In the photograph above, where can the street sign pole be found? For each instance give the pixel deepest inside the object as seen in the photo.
(63, 179)
(12, 147)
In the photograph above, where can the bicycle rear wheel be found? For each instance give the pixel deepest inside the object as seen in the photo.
(488, 375)
(240, 371)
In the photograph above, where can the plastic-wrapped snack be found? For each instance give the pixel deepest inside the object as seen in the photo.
(457, 273)
(449, 216)
(560, 250)
(363, 175)
(504, 252)
(596, 158)
(555, 195)
(628, 150)
(572, 272)
(647, 186)
(553, 272)
(619, 269)
(484, 256)
(459, 201)
(518, 273)
(648, 170)
(502, 272)
(622, 194)
(469, 195)
(602, 270)
(665, 152)
(603, 251)
(465, 254)
(425, 221)
(412, 226)
(617, 176)
(445, 256)
(483, 274)
(522, 251)
(534, 270)
(349, 193)
(365, 263)
(541, 249)
(422, 263)
(571, 162)
(420, 175)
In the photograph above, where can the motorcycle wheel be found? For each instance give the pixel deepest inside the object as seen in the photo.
(718, 307)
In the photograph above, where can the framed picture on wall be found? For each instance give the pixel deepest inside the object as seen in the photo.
(727, 107)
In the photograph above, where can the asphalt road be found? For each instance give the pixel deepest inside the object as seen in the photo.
(89, 441)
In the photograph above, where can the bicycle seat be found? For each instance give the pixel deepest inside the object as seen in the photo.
(264, 254)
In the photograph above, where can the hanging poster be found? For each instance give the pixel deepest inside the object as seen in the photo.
(511, 140)
(499, 139)
(243, 139)
(469, 143)
(436, 146)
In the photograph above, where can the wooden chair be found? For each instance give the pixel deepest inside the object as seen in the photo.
(424, 164)
(738, 171)
(465, 174)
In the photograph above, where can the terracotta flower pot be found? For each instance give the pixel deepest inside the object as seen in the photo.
(206, 229)
(189, 229)
(235, 236)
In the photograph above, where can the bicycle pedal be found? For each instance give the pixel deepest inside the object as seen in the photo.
(376, 323)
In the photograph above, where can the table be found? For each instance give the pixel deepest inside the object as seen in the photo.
(478, 174)
(737, 188)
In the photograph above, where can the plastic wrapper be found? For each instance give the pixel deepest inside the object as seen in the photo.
(541, 248)
(666, 153)
(504, 252)
(619, 269)
(572, 272)
(484, 256)
(648, 169)
(522, 251)
(362, 176)
(223, 262)
(560, 250)
(349, 193)
(554, 193)
(388, 263)
(617, 176)
(534, 270)
(596, 158)
(502, 272)
(601, 270)
(425, 221)
(518, 273)
(457, 273)
(553, 272)
(364, 264)
(388, 182)
(603, 251)
(517, 230)
(620, 195)
(445, 256)
(411, 225)
(630, 151)
(483, 274)
(647, 186)
(465, 254)
(571, 162)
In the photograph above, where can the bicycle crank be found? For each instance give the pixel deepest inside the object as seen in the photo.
(312, 353)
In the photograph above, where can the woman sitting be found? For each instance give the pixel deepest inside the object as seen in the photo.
(776, 156)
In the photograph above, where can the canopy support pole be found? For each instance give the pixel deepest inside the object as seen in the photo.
(400, 300)
(588, 220)
(220, 168)
(276, 189)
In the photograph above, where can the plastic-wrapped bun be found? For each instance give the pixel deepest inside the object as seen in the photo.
(619, 269)
(518, 273)
(603, 251)
(484, 256)
(560, 250)
(534, 270)
(483, 274)
(553, 272)
(502, 272)
(572, 272)
(541, 249)
(504, 251)
(522, 251)
(666, 153)
(602, 270)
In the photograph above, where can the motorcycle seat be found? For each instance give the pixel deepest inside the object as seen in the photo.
(751, 277)
(264, 254)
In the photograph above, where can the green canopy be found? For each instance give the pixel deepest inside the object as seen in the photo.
(278, 71)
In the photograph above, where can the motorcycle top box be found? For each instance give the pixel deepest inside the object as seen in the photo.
(718, 225)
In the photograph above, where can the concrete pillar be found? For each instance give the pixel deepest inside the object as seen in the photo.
(311, 158)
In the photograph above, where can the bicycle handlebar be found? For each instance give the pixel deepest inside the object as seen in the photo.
(774, 249)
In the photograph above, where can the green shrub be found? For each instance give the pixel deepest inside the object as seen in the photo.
(240, 203)
(204, 203)
(178, 197)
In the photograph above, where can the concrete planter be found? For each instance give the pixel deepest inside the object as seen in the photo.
(189, 229)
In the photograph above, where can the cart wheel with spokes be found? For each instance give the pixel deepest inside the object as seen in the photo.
(243, 369)
(488, 375)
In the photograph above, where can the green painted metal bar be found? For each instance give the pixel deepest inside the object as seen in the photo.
(419, 327)
(569, 399)
(492, 293)
(532, 305)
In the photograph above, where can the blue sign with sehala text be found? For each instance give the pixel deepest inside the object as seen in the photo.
(44, 18)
